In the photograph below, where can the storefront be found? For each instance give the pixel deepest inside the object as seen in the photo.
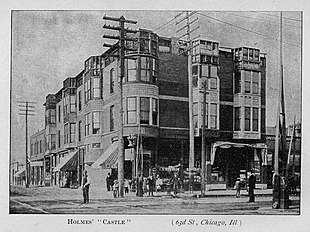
(230, 161)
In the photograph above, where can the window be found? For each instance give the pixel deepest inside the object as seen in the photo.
(144, 110)
(206, 118)
(40, 146)
(213, 116)
(53, 141)
(131, 110)
(154, 69)
(154, 111)
(112, 118)
(237, 119)
(52, 116)
(96, 122)
(255, 119)
(87, 90)
(72, 103)
(251, 54)
(255, 83)
(213, 83)
(237, 82)
(256, 55)
(195, 114)
(144, 45)
(112, 80)
(247, 81)
(96, 87)
(59, 113)
(247, 118)
(72, 132)
(245, 53)
(131, 70)
(195, 70)
(80, 100)
(59, 139)
(66, 133)
(79, 131)
(87, 124)
(145, 67)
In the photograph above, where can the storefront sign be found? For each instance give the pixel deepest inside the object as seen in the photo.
(36, 163)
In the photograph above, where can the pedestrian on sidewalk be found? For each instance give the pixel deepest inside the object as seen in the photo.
(140, 187)
(126, 186)
(252, 181)
(115, 189)
(109, 181)
(144, 185)
(150, 182)
(175, 183)
(238, 187)
(85, 187)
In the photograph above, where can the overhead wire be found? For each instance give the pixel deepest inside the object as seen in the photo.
(263, 13)
(245, 29)
(164, 26)
(244, 16)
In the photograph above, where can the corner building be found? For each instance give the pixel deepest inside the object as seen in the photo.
(156, 114)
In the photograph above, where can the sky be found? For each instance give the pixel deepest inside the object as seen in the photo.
(49, 46)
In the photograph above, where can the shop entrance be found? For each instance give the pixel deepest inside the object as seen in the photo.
(230, 162)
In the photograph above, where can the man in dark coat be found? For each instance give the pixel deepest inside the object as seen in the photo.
(85, 187)
(109, 181)
(252, 181)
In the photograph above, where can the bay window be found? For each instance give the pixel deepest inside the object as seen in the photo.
(96, 87)
(255, 83)
(154, 111)
(213, 116)
(237, 118)
(131, 110)
(144, 110)
(87, 90)
(247, 81)
(255, 119)
(247, 118)
(131, 69)
(145, 67)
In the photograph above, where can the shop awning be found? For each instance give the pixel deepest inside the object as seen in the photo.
(20, 173)
(226, 145)
(108, 159)
(68, 163)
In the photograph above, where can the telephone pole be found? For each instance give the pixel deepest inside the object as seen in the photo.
(26, 109)
(190, 88)
(121, 46)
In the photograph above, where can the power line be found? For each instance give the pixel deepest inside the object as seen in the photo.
(229, 13)
(160, 28)
(254, 32)
(298, 20)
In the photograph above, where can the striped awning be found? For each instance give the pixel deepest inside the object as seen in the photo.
(108, 159)
(68, 163)
(21, 172)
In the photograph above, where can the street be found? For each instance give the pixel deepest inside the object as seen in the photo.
(54, 200)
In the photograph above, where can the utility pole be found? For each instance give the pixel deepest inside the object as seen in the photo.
(26, 109)
(190, 90)
(203, 140)
(121, 46)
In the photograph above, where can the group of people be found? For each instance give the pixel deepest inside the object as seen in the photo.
(151, 184)
(113, 184)
(251, 186)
